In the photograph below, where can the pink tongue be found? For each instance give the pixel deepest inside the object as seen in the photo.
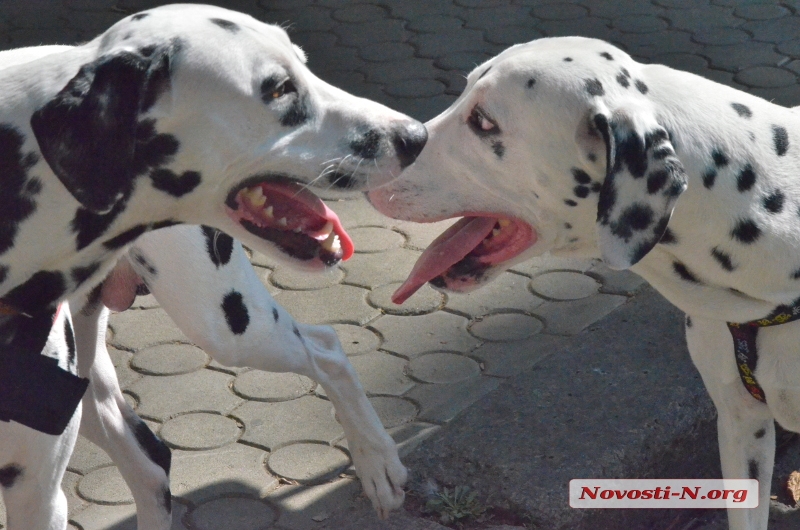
(445, 251)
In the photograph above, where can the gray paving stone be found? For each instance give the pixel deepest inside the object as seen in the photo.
(509, 291)
(507, 359)
(777, 30)
(433, 45)
(787, 96)
(357, 340)
(389, 51)
(307, 463)
(790, 48)
(235, 513)
(86, 457)
(512, 34)
(463, 62)
(498, 17)
(235, 469)
(316, 17)
(373, 270)
(766, 77)
(422, 109)
(299, 280)
(394, 411)
(564, 285)
(409, 435)
(103, 517)
(625, 283)
(145, 302)
(370, 239)
(689, 62)
(271, 425)
(74, 502)
(737, 56)
(259, 385)
(376, 31)
(309, 507)
(166, 396)
(414, 335)
(360, 13)
(619, 8)
(702, 18)
(105, 486)
(455, 80)
(560, 11)
(314, 42)
(199, 431)
(362, 519)
(396, 71)
(314, 307)
(359, 213)
(426, 300)
(441, 403)
(443, 367)
(648, 45)
(640, 24)
(169, 359)
(381, 373)
(434, 23)
(569, 318)
(535, 266)
(128, 329)
(121, 360)
(505, 326)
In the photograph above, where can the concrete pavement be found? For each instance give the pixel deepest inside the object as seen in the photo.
(254, 450)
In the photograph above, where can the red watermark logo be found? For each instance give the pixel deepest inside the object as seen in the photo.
(663, 493)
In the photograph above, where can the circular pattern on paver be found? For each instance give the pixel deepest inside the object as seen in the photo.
(720, 36)
(235, 513)
(415, 88)
(508, 35)
(435, 23)
(394, 411)
(564, 285)
(765, 77)
(640, 24)
(355, 339)
(359, 13)
(387, 51)
(790, 47)
(106, 486)
(425, 300)
(760, 11)
(443, 367)
(307, 462)
(200, 430)
(371, 239)
(561, 11)
(298, 280)
(462, 61)
(259, 385)
(169, 359)
(505, 327)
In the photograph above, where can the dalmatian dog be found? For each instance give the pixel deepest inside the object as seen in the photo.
(177, 115)
(568, 146)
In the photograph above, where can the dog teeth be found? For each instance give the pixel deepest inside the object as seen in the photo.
(255, 196)
(282, 222)
(331, 243)
(504, 223)
(268, 211)
(323, 234)
(297, 230)
(495, 232)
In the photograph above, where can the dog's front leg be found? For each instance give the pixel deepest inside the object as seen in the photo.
(208, 287)
(745, 425)
(108, 421)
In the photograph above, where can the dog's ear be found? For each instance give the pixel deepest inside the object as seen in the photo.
(87, 132)
(644, 178)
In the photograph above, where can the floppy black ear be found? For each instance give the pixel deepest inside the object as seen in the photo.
(87, 132)
(644, 178)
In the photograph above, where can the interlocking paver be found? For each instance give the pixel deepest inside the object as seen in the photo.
(298, 280)
(307, 463)
(410, 336)
(511, 288)
(766, 77)
(307, 507)
(505, 326)
(232, 514)
(199, 431)
(737, 56)
(127, 328)
(369, 239)
(443, 367)
(259, 385)
(316, 307)
(373, 270)
(169, 359)
(381, 373)
(442, 402)
(426, 300)
(261, 419)
(568, 318)
(639, 24)
(357, 340)
(394, 411)
(105, 486)
(564, 285)
(121, 360)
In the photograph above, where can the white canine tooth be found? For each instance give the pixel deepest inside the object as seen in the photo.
(495, 232)
(332, 244)
(268, 211)
(257, 197)
(297, 230)
(325, 232)
(282, 222)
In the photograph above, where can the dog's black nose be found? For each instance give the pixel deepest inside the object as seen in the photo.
(408, 142)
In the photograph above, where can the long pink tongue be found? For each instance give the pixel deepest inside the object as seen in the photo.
(445, 251)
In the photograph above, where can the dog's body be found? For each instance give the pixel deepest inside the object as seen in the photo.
(569, 146)
(181, 114)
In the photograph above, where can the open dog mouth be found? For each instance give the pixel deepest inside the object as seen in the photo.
(462, 254)
(293, 218)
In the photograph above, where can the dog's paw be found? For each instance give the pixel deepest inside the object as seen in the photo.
(381, 472)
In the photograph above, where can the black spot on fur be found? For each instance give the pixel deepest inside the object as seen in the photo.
(746, 178)
(236, 314)
(668, 238)
(780, 139)
(594, 87)
(640, 86)
(499, 149)
(219, 245)
(275, 314)
(81, 274)
(663, 152)
(688, 321)
(580, 176)
(742, 110)
(752, 469)
(16, 190)
(145, 263)
(631, 151)
(719, 158)
(567, 59)
(796, 275)
(227, 25)
(640, 251)
(128, 236)
(596, 187)
(685, 274)
(607, 56)
(3, 273)
(773, 202)
(531, 82)
(142, 289)
(760, 433)
(166, 499)
(656, 181)
(568, 226)
(177, 186)
(484, 73)
(592, 157)
(570, 202)
(155, 449)
(297, 332)
(9, 475)
(89, 225)
(69, 337)
(164, 224)
(622, 80)
(153, 149)
(581, 191)
(298, 111)
(709, 177)
(746, 231)
(723, 258)
(634, 218)
(298, 114)
(367, 145)
(39, 292)
(140, 16)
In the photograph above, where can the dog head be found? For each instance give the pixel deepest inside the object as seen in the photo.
(553, 146)
(204, 115)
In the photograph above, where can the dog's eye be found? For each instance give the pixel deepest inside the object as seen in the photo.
(482, 124)
(284, 88)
